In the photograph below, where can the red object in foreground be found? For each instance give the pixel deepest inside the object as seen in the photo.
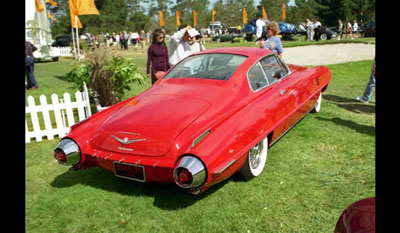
(359, 217)
(210, 116)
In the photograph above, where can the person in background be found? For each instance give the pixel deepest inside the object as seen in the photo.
(369, 90)
(349, 30)
(29, 65)
(273, 42)
(126, 37)
(310, 28)
(260, 24)
(117, 41)
(142, 40)
(182, 44)
(355, 28)
(102, 40)
(157, 55)
(134, 39)
(340, 29)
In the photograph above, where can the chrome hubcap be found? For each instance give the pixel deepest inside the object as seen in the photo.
(255, 155)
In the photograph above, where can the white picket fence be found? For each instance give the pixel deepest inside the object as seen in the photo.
(63, 51)
(63, 114)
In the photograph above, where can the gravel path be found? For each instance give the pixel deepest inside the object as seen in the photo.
(328, 54)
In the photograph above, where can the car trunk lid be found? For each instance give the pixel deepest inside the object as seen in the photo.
(148, 126)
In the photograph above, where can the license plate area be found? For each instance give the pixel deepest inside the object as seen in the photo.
(129, 171)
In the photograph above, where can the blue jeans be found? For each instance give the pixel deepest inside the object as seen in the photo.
(29, 70)
(369, 90)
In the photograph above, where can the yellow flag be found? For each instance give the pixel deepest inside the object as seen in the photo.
(212, 16)
(178, 15)
(264, 13)
(86, 7)
(52, 2)
(38, 6)
(194, 18)
(51, 17)
(244, 16)
(72, 13)
(283, 12)
(162, 23)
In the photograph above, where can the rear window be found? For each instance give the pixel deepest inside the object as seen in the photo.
(207, 66)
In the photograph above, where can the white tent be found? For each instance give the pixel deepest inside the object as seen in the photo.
(37, 30)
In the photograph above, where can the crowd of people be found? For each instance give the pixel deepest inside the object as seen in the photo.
(187, 40)
(120, 40)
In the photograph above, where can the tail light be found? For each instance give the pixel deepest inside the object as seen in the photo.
(189, 172)
(67, 152)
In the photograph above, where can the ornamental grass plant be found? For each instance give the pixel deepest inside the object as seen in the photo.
(107, 76)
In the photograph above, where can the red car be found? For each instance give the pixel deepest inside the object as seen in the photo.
(213, 114)
(358, 217)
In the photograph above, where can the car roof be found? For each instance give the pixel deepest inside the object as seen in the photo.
(245, 51)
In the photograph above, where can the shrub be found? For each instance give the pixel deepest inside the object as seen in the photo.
(107, 77)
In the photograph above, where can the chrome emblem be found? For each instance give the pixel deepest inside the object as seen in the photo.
(126, 141)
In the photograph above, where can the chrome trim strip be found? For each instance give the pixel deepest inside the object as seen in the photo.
(201, 137)
(108, 156)
(126, 149)
(128, 133)
(226, 167)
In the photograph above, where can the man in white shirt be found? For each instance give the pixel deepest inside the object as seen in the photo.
(260, 24)
(182, 44)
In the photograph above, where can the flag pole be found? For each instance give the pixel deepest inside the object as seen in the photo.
(77, 37)
(73, 41)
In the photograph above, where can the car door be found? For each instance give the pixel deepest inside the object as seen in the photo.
(271, 94)
(277, 74)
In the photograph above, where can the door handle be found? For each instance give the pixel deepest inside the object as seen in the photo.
(282, 92)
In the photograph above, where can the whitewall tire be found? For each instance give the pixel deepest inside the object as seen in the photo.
(255, 160)
(317, 106)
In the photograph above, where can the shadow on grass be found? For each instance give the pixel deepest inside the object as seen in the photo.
(369, 130)
(351, 105)
(166, 196)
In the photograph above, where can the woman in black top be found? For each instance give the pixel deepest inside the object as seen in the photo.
(157, 55)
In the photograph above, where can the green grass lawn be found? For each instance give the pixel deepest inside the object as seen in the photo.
(313, 173)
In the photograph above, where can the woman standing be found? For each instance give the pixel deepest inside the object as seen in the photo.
(157, 55)
(273, 42)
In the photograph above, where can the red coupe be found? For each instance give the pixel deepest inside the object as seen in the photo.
(213, 114)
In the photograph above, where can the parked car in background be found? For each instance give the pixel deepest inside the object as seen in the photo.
(215, 27)
(324, 33)
(226, 37)
(287, 29)
(368, 30)
(250, 29)
(358, 217)
(62, 41)
(212, 115)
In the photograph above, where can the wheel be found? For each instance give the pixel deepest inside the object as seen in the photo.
(323, 36)
(218, 40)
(317, 106)
(255, 160)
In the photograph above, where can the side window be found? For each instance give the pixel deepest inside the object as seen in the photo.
(256, 77)
(273, 69)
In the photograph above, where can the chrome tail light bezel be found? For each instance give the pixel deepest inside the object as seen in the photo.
(70, 150)
(196, 168)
